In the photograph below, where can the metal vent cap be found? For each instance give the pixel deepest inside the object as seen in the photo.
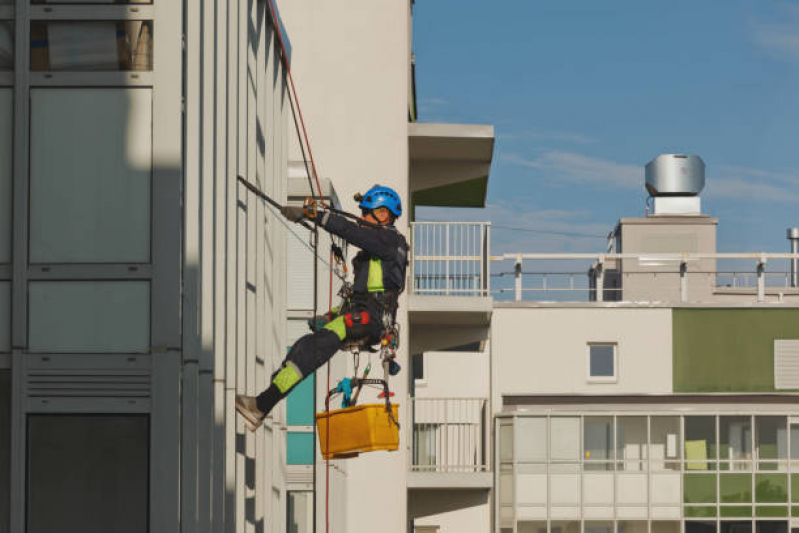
(675, 175)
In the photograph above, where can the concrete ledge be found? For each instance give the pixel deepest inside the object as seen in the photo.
(454, 310)
(450, 480)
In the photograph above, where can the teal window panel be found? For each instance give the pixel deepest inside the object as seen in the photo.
(300, 408)
(299, 448)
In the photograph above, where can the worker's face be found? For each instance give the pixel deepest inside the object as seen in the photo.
(380, 216)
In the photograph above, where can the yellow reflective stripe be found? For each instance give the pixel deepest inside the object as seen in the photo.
(338, 327)
(374, 282)
(286, 378)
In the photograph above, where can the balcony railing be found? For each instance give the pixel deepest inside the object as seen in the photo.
(450, 258)
(449, 435)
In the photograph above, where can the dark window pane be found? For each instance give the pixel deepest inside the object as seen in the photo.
(737, 527)
(602, 360)
(88, 473)
(417, 364)
(78, 2)
(772, 440)
(700, 442)
(6, 44)
(91, 46)
(735, 438)
(772, 526)
(300, 519)
(5, 448)
(699, 527)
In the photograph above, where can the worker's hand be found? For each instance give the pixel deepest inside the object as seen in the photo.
(294, 213)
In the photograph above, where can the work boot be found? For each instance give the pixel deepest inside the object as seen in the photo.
(247, 407)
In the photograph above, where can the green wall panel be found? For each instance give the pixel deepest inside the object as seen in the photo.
(299, 448)
(728, 350)
(699, 488)
(735, 512)
(771, 488)
(771, 512)
(700, 512)
(735, 488)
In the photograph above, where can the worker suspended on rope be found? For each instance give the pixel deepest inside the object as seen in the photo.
(368, 309)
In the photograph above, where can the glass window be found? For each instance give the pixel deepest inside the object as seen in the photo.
(6, 171)
(693, 526)
(597, 526)
(772, 442)
(602, 361)
(88, 473)
(531, 527)
(6, 44)
(771, 526)
(531, 440)
(299, 448)
(564, 439)
(564, 527)
(771, 488)
(699, 488)
(737, 527)
(664, 448)
(598, 442)
(631, 442)
(795, 445)
(417, 365)
(89, 316)
(300, 519)
(735, 442)
(632, 526)
(425, 444)
(5, 316)
(735, 488)
(700, 512)
(700, 442)
(91, 45)
(506, 441)
(90, 179)
(5, 448)
(665, 526)
(299, 404)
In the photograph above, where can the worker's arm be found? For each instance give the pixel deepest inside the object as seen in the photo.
(376, 241)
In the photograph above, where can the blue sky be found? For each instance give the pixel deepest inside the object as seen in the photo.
(583, 93)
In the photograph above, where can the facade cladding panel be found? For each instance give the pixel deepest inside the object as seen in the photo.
(729, 350)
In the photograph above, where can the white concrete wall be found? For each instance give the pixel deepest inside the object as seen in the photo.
(475, 519)
(350, 66)
(455, 375)
(540, 350)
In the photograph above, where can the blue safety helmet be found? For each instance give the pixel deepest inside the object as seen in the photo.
(379, 196)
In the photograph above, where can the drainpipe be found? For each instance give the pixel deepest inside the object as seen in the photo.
(793, 236)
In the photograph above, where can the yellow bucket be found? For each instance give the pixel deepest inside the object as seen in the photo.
(353, 430)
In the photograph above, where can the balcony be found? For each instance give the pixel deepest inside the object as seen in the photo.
(449, 444)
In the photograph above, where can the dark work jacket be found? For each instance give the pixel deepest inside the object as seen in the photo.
(384, 254)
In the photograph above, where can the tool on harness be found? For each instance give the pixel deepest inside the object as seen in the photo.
(360, 382)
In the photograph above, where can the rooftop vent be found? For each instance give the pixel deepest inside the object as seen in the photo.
(675, 181)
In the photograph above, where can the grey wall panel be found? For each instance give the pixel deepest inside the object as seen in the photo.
(89, 316)
(5, 316)
(5, 448)
(90, 180)
(6, 160)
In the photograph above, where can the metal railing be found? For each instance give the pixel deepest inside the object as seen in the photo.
(450, 258)
(449, 435)
(680, 277)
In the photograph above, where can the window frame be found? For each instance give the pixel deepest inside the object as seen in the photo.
(602, 379)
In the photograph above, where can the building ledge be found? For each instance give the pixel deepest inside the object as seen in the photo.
(450, 480)
(450, 163)
(454, 310)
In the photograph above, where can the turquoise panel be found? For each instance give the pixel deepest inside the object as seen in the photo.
(299, 448)
(299, 407)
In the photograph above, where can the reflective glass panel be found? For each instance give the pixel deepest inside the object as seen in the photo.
(771, 488)
(631, 442)
(665, 526)
(564, 527)
(597, 526)
(300, 518)
(88, 473)
(771, 526)
(91, 45)
(6, 169)
(632, 526)
(735, 442)
(602, 360)
(5, 448)
(772, 441)
(692, 526)
(700, 442)
(699, 488)
(5, 316)
(90, 2)
(531, 527)
(735, 488)
(90, 179)
(737, 527)
(6, 44)
(664, 448)
(530, 439)
(598, 442)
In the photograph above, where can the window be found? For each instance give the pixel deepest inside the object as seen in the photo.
(772, 442)
(5, 316)
(735, 442)
(90, 179)
(5, 448)
(700, 442)
(6, 159)
(6, 44)
(417, 365)
(598, 442)
(300, 512)
(91, 45)
(88, 473)
(602, 362)
(631, 442)
(664, 448)
(89, 316)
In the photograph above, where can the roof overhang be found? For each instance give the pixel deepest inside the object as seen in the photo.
(450, 163)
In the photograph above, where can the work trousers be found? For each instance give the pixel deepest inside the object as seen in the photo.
(358, 321)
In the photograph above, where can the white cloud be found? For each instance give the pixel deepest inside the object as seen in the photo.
(557, 136)
(579, 168)
(780, 38)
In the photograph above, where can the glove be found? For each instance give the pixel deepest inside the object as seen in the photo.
(292, 213)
